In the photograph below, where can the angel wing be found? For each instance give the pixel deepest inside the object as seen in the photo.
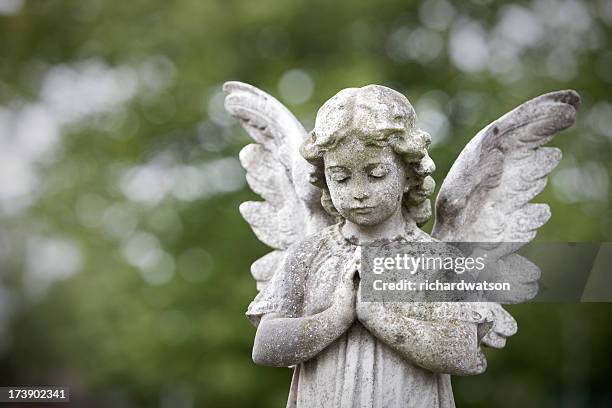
(486, 196)
(276, 171)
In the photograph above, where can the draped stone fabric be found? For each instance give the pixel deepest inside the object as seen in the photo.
(357, 369)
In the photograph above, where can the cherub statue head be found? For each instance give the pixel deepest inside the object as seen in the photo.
(369, 158)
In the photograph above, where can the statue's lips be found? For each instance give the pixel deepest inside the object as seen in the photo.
(362, 210)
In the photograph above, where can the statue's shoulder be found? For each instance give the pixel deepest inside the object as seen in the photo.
(423, 239)
(325, 240)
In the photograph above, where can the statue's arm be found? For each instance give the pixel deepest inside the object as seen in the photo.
(285, 341)
(446, 346)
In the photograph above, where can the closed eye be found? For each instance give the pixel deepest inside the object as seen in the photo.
(338, 173)
(378, 172)
(340, 178)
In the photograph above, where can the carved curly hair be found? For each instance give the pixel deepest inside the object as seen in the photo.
(383, 117)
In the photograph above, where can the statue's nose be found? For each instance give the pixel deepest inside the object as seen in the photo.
(360, 194)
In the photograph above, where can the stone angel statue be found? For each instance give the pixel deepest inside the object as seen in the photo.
(364, 174)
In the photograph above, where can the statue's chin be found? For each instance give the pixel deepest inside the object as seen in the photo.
(365, 220)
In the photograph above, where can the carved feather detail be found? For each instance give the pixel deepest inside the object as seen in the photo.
(503, 168)
(275, 171)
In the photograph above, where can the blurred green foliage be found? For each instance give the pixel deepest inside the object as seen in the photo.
(122, 333)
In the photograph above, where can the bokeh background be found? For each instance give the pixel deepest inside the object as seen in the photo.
(124, 263)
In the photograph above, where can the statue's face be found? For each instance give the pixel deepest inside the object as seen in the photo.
(365, 182)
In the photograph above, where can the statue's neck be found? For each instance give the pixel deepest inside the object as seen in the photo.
(391, 228)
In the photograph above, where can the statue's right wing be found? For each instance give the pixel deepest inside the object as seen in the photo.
(276, 171)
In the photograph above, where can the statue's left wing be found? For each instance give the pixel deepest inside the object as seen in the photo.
(486, 196)
(276, 171)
